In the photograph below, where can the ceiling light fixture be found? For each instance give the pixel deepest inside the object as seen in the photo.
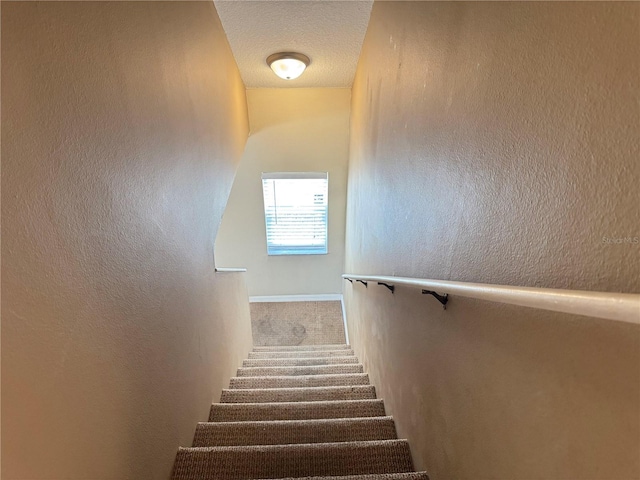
(288, 65)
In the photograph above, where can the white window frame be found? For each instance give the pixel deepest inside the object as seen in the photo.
(275, 248)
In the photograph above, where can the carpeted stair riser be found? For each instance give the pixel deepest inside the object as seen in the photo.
(296, 348)
(246, 412)
(315, 394)
(299, 362)
(296, 371)
(375, 476)
(303, 412)
(277, 461)
(305, 354)
(301, 381)
(286, 432)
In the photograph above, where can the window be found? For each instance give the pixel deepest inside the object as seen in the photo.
(295, 211)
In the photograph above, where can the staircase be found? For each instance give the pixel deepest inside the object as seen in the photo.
(295, 412)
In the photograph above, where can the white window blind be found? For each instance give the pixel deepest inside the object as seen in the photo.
(295, 210)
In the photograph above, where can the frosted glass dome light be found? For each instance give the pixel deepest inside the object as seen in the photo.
(288, 65)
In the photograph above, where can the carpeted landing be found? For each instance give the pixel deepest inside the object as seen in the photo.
(298, 412)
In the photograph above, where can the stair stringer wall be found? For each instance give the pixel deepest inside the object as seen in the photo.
(497, 143)
(122, 125)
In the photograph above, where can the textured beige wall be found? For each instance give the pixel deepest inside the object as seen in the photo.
(500, 143)
(292, 129)
(122, 125)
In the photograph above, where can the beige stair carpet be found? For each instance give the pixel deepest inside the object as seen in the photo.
(298, 362)
(297, 323)
(304, 412)
(300, 394)
(302, 348)
(336, 380)
(299, 370)
(284, 432)
(302, 354)
(237, 412)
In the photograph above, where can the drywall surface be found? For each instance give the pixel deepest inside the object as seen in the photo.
(122, 126)
(500, 144)
(292, 130)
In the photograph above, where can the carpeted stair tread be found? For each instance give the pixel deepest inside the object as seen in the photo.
(298, 362)
(302, 412)
(283, 432)
(295, 371)
(245, 412)
(309, 394)
(296, 348)
(300, 381)
(302, 354)
(374, 476)
(277, 461)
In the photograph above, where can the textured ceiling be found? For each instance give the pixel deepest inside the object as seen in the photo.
(328, 32)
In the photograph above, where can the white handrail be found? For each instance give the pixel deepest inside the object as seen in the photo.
(623, 307)
(230, 270)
